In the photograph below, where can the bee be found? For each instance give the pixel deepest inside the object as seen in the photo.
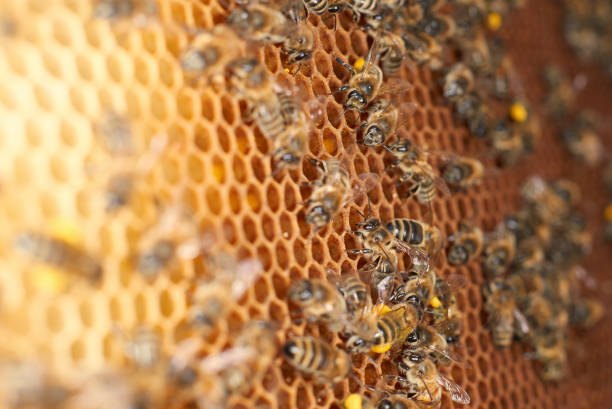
(542, 199)
(477, 115)
(59, 254)
(448, 319)
(550, 350)
(498, 252)
(333, 190)
(317, 358)
(543, 315)
(585, 312)
(423, 48)
(173, 237)
(463, 172)
(466, 244)
(27, 383)
(355, 293)
(416, 170)
(427, 339)
(458, 81)
(438, 26)
(561, 92)
(391, 328)
(248, 78)
(227, 279)
(418, 234)
(291, 144)
(391, 50)
(319, 301)
(503, 314)
(320, 7)
(364, 86)
(113, 10)
(207, 54)
(524, 225)
(582, 140)
(383, 120)
(568, 191)
(258, 22)
(529, 256)
(417, 289)
(425, 383)
(476, 54)
(142, 347)
(389, 401)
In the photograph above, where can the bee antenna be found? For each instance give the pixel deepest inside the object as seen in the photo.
(426, 388)
(387, 148)
(369, 208)
(341, 115)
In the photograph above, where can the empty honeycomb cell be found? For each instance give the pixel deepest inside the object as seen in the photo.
(213, 200)
(299, 253)
(267, 225)
(78, 350)
(229, 231)
(195, 168)
(241, 139)
(218, 169)
(249, 229)
(208, 105)
(263, 253)
(224, 138)
(303, 399)
(322, 64)
(166, 304)
(43, 98)
(261, 290)
(282, 256)
(235, 200)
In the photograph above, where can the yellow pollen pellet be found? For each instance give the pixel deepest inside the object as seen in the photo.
(381, 349)
(359, 64)
(494, 21)
(435, 302)
(381, 309)
(353, 401)
(518, 112)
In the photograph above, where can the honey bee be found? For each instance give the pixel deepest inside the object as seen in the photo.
(448, 319)
(503, 314)
(437, 25)
(384, 119)
(291, 144)
(550, 350)
(227, 279)
(320, 7)
(391, 50)
(27, 383)
(389, 401)
(477, 115)
(458, 81)
(391, 328)
(138, 10)
(466, 244)
(582, 141)
(207, 54)
(425, 383)
(585, 312)
(258, 22)
(333, 190)
(498, 252)
(318, 359)
(544, 202)
(417, 234)
(417, 289)
(544, 315)
(463, 172)
(524, 225)
(142, 347)
(476, 54)
(416, 170)
(427, 339)
(529, 256)
(423, 48)
(235, 370)
(59, 254)
(319, 301)
(355, 293)
(561, 92)
(299, 44)
(173, 237)
(568, 191)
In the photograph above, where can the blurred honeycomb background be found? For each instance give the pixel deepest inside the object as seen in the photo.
(61, 70)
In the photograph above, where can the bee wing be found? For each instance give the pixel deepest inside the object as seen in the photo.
(521, 320)
(394, 86)
(456, 358)
(367, 182)
(405, 112)
(247, 272)
(455, 281)
(458, 394)
(234, 356)
(416, 254)
(371, 58)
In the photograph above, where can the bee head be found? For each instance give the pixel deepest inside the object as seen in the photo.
(356, 100)
(374, 136)
(457, 255)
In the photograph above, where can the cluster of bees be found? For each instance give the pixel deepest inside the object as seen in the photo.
(587, 30)
(410, 314)
(534, 277)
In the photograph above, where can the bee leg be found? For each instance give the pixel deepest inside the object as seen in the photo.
(359, 251)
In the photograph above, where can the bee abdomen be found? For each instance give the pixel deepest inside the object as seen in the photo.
(407, 230)
(317, 6)
(307, 354)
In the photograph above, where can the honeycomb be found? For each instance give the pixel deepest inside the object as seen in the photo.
(61, 70)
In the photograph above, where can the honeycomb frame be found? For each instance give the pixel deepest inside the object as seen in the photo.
(62, 69)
